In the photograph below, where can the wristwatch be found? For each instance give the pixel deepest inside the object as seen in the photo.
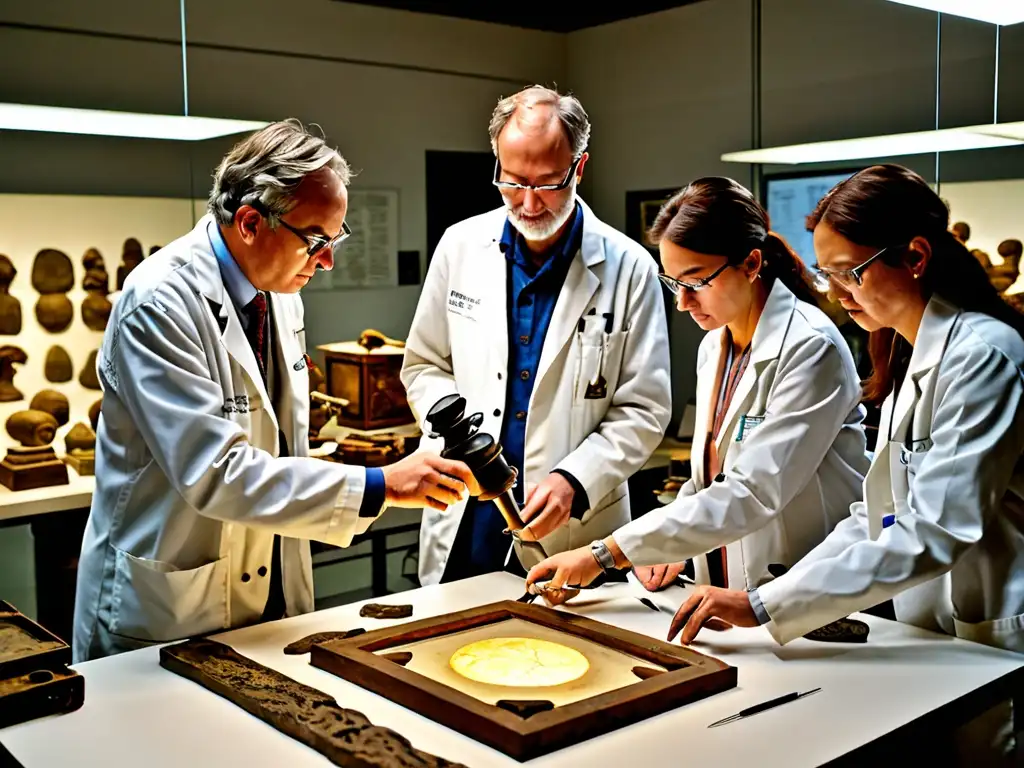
(603, 555)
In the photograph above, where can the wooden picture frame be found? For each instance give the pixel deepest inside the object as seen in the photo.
(689, 676)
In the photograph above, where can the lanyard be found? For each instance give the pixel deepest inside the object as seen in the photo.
(728, 389)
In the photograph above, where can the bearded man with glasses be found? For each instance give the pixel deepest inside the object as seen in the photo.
(551, 323)
(205, 493)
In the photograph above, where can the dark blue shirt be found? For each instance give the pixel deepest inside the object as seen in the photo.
(532, 292)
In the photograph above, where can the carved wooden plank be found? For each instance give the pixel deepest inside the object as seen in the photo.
(344, 736)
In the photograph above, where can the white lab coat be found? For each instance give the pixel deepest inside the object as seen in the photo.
(789, 475)
(953, 560)
(189, 486)
(459, 342)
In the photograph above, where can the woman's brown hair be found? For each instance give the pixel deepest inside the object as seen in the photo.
(887, 206)
(719, 217)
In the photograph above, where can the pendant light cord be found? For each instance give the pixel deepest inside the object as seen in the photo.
(184, 58)
(995, 90)
(184, 88)
(938, 88)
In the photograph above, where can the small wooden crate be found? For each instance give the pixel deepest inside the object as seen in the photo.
(34, 678)
(665, 676)
(370, 381)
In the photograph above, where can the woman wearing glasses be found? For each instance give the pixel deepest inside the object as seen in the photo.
(941, 527)
(779, 450)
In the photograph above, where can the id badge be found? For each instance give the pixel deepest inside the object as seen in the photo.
(748, 424)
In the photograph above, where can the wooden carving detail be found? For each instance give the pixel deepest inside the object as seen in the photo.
(305, 644)
(381, 611)
(344, 736)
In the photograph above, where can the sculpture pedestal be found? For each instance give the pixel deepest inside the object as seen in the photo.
(37, 467)
(83, 463)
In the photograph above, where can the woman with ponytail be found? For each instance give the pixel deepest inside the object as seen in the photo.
(779, 449)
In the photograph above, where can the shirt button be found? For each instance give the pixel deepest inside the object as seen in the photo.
(524, 375)
(262, 571)
(245, 577)
(520, 415)
(524, 339)
(499, 376)
(497, 411)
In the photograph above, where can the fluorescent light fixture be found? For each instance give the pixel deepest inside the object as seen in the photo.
(139, 125)
(1001, 12)
(916, 143)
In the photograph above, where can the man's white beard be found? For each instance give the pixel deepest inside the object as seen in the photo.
(543, 227)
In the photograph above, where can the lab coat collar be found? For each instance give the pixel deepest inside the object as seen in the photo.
(210, 282)
(765, 346)
(932, 335)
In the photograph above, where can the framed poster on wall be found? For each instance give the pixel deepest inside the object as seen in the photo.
(641, 210)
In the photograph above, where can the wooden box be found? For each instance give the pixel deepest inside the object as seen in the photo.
(34, 677)
(629, 676)
(370, 381)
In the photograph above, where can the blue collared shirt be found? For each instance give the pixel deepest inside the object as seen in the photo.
(532, 292)
(242, 292)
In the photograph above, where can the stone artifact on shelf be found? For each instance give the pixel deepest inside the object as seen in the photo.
(53, 276)
(131, 257)
(9, 356)
(58, 367)
(80, 449)
(89, 378)
(94, 413)
(33, 464)
(10, 307)
(344, 736)
(54, 403)
(96, 283)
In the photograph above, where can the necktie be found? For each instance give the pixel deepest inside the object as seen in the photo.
(257, 310)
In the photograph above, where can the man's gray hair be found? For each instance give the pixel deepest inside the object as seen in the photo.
(570, 113)
(265, 169)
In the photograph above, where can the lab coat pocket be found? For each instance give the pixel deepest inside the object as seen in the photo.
(155, 601)
(598, 364)
(1005, 633)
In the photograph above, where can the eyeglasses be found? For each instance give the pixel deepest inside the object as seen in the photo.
(675, 287)
(846, 278)
(536, 187)
(316, 243)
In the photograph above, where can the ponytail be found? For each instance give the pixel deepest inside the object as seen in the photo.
(780, 262)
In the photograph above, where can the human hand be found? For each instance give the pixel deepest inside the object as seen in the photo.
(547, 508)
(566, 571)
(658, 577)
(426, 480)
(712, 607)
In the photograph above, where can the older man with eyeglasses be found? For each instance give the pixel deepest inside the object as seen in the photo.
(551, 324)
(205, 494)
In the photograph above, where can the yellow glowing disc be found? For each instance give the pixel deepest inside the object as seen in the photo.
(520, 662)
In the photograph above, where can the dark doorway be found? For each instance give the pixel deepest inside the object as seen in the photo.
(458, 186)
